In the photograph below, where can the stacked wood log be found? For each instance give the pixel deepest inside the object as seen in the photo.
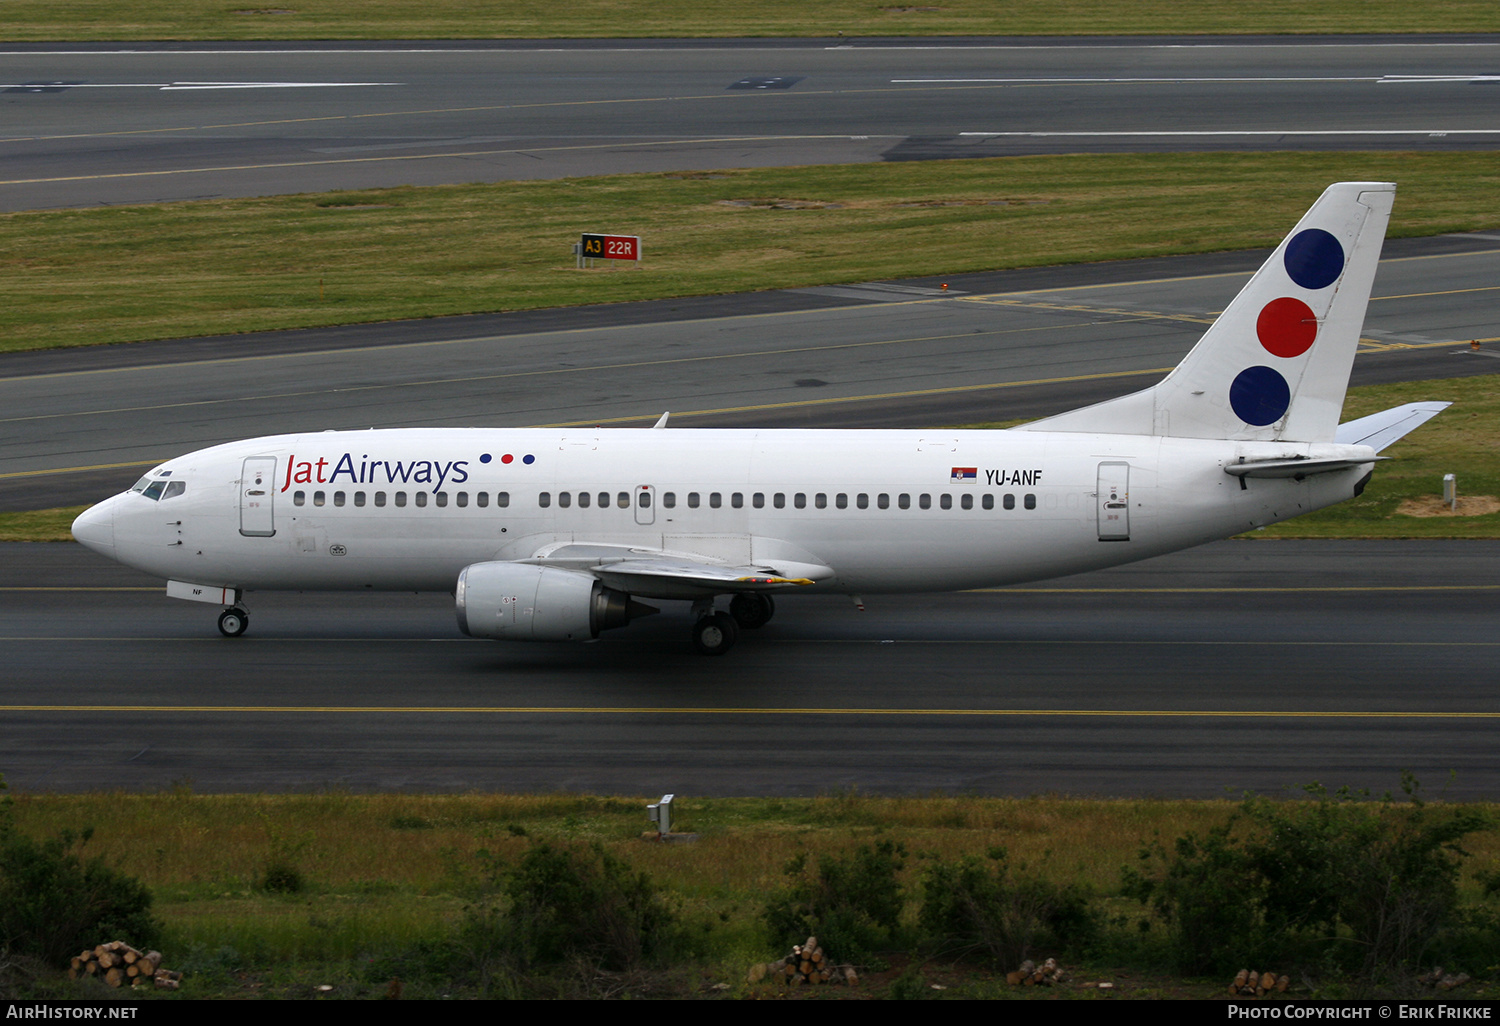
(1439, 980)
(807, 963)
(1248, 983)
(119, 965)
(1032, 975)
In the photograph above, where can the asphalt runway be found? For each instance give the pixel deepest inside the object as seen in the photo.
(1236, 666)
(109, 124)
(1240, 665)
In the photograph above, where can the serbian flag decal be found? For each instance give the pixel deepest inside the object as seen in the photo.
(965, 474)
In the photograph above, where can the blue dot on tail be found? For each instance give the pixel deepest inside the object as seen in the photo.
(1314, 259)
(1259, 396)
(484, 458)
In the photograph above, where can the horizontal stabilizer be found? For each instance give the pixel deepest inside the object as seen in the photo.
(1298, 468)
(1382, 429)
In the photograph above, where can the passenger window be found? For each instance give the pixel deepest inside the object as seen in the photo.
(989, 502)
(421, 498)
(481, 499)
(904, 501)
(821, 500)
(338, 498)
(622, 499)
(669, 500)
(883, 501)
(799, 500)
(692, 500)
(584, 499)
(758, 500)
(737, 500)
(359, 498)
(401, 498)
(565, 499)
(967, 502)
(604, 500)
(841, 500)
(319, 499)
(544, 499)
(1010, 501)
(441, 498)
(715, 500)
(945, 501)
(298, 498)
(461, 499)
(645, 500)
(779, 500)
(174, 489)
(924, 501)
(862, 501)
(380, 498)
(1030, 501)
(502, 500)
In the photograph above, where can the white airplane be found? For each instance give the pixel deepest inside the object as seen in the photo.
(547, 535)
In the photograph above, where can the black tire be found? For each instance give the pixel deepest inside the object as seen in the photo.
(752, 612)
(233, 622)
(715, 634)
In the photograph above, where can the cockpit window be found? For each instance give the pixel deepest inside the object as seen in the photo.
(153, 490)
(174, 489)
(140, 486)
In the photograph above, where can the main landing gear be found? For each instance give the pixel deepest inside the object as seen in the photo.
(232, 622)
(714, 633)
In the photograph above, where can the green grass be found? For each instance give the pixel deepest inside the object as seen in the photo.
(484, 19)
(82, 277)
(1461, 440)
(389, 876)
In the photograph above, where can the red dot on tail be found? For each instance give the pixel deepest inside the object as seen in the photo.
(1286, 327)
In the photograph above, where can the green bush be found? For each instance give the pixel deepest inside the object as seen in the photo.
(851, 904)
(566, 904)
(562, 907)
(1359, 884)
(53, 904)
(978, 907)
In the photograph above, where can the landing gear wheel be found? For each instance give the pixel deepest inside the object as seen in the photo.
(232, 622)
(715, 634)
(752, 611)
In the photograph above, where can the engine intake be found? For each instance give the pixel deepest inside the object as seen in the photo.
(520, 602)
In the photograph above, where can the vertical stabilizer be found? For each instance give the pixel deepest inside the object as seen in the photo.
(1275, 365)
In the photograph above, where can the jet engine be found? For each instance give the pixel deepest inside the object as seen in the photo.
(520, 602)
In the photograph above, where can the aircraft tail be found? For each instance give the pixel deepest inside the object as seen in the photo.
(1275, 364)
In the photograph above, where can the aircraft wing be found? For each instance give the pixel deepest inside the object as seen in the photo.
(1382, 429)
(663, 574)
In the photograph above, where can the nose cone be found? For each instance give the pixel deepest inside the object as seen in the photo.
(95, 528)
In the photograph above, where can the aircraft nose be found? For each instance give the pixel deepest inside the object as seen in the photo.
(95, 528)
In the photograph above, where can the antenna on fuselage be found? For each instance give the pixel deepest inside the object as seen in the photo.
(663, 422)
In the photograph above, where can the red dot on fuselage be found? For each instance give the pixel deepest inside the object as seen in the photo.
(506, 458)
(1286, 327)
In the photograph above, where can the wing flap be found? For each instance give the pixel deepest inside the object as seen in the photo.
(665, 574)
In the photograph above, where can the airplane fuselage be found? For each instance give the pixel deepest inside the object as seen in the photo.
(887, 511)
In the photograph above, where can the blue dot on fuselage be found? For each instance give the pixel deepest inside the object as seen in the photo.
(1259, 396)
(484, 458)
(528, 460)
(1314, 259)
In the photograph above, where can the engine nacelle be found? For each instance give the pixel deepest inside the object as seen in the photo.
(520, 602)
